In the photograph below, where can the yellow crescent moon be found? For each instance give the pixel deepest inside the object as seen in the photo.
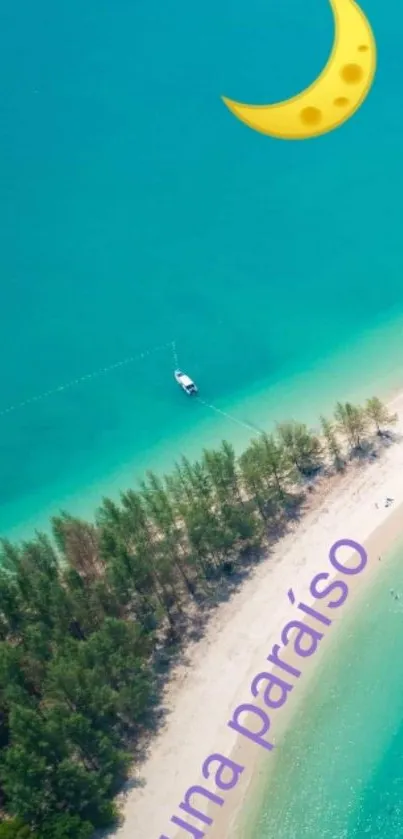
(337, 92)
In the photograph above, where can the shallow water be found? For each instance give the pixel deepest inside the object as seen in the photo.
(339, 769)
(136, 210)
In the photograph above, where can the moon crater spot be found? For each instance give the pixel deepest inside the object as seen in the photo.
(311, 116)
(351, 73)
(334, 96)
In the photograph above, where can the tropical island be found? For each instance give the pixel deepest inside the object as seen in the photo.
(93, 619)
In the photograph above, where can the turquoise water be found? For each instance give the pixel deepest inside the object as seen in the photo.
(339, 770)
(136, 210)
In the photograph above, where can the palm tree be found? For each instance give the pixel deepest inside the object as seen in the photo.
(378, 413)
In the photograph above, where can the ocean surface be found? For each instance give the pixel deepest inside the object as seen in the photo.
(339, 769)
(136, 210)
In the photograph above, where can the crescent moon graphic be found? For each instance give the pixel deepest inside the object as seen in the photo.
(334, 96)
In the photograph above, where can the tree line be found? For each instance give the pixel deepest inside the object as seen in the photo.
(84, 614)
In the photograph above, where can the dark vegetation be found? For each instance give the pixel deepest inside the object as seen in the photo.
(91, 620)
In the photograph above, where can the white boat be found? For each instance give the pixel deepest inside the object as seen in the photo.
(185, 382)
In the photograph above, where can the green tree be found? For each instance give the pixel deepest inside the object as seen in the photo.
(378, 413)
(129, 570)
(222, 468)
(65, 826)
(41, 778)
(16, 829)
(191, 491)
(262, 481)
(28, 765)
(268, 473)
(235, 517)
(332, 443)
(302, 447)
(11, 613)
(130, 577)
(162, 513)
(352, 422)
(140, 536)
(120, 654)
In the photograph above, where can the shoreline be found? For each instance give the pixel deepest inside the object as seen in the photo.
(222, 663)
(208, 428)
(263, 767)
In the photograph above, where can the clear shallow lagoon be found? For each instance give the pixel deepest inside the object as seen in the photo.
(339, 768)
(135, 210)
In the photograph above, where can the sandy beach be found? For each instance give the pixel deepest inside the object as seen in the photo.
(202, 695)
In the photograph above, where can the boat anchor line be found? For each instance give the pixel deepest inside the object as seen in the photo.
(103, 370)
(191, 388)
(175, 354)
(228, 416)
